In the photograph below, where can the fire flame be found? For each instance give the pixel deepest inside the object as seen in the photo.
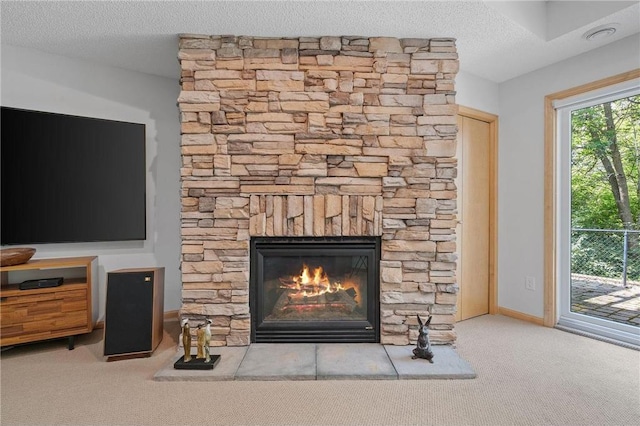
(314, 283)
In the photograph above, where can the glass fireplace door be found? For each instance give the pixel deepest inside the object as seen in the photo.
(314, 290)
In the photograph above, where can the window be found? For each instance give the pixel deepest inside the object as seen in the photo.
(597, 226)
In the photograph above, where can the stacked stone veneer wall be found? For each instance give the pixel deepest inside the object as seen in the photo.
(327, 136)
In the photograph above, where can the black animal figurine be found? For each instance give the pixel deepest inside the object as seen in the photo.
(423, 348)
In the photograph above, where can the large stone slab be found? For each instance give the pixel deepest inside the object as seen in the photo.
(354, 361)
(230, 359)
(447, 364)
(286, 361)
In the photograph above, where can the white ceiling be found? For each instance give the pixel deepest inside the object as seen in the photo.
(496, 40)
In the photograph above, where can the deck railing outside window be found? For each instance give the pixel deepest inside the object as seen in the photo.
(608, 253)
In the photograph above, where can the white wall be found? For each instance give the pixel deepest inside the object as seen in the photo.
(35, 80)
(476, 92)
(521, 165)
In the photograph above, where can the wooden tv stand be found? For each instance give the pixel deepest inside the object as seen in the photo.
(48, 313)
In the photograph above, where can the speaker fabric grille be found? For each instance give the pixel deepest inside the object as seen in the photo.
(129, 313)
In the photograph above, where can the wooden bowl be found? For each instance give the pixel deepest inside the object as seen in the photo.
(15, 256)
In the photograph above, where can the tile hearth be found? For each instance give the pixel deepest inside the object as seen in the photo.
(323, 361)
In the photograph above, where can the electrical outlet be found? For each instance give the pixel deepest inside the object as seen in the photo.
(530, 283)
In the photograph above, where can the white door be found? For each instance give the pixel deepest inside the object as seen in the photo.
(599, 222)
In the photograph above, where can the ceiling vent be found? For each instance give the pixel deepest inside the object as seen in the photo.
(601, 32)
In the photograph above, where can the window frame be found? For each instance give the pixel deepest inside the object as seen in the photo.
(557, 200)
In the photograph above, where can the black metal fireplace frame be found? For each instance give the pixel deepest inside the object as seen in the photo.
(264, 331)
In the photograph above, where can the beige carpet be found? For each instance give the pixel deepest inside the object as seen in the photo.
(527, 375)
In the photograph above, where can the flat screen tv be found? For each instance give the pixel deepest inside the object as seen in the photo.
(70, 179)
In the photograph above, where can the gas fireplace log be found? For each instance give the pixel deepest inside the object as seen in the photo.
(341, 298)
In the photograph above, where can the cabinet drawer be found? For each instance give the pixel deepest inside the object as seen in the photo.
(54, 325)
(40, 295)
(43, 313)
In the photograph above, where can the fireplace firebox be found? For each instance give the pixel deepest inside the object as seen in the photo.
(315, 289)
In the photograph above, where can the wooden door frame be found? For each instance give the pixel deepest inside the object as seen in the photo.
(492, 121)
(551, 187)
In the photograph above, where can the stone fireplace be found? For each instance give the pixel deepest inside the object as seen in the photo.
(318, 139)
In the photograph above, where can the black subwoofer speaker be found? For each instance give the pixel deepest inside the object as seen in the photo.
(134, 313)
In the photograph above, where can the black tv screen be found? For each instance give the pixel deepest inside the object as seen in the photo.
(71, 179)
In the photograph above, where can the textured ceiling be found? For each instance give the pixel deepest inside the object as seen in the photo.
(143, 36)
